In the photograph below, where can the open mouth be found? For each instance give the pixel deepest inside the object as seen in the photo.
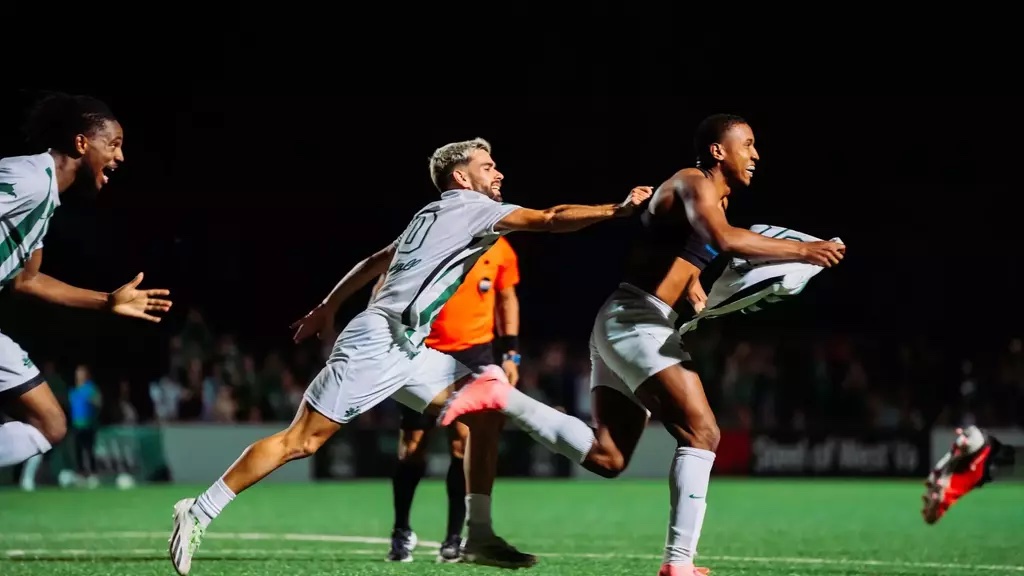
(107, 172)
(750, 170)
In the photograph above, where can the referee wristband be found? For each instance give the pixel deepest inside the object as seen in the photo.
(507, 344)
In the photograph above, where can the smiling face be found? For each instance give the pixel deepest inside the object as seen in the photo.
(480, 175)
(737, 155)
(101, 153)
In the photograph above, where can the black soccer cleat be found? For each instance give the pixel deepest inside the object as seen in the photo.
(451, 550)
(403, 542)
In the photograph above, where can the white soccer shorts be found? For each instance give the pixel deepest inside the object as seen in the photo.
(371, 361)
(634, 337)
(17, 372)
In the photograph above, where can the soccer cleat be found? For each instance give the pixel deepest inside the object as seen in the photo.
(495, 551)
(488, 392)
(451, 550)
(185, 537)
(403, 542)
(682, 570)
(959, 471)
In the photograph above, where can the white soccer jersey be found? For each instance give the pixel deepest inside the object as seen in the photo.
(433, 256)
(28, 198)
(746, 285)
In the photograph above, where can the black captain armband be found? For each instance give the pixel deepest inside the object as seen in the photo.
(507, 344)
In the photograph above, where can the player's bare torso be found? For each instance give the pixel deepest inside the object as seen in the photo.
(655, 265)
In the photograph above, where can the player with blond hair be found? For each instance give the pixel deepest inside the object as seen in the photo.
(381, 351)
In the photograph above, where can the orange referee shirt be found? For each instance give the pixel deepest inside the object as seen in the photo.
(467, 319)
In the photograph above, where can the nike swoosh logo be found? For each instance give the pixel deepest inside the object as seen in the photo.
(695, 497)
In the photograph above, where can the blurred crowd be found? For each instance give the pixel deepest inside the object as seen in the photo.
(841, 382)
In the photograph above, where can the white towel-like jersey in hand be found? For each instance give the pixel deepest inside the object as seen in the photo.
(746, 285)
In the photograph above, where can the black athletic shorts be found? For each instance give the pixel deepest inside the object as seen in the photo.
(472, 357)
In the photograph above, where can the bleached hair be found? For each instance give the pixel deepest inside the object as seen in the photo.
(445, 159)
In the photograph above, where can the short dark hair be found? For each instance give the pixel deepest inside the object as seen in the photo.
(57, 118)
(710, 131)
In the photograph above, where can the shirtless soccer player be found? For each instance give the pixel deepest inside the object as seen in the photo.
(380, 353)
(638, 363)
(83, 141)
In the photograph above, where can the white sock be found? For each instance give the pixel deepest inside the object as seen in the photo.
(28, 473)
(688, 486)
(212, 502)
(555, 430)
(19, 442)
(478, 514)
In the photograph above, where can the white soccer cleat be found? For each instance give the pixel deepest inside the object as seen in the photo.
(185, 536)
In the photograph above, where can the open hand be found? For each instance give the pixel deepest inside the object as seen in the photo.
(319, 321)
(129, 301)
(637, 196)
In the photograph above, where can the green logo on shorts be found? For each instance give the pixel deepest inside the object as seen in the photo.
(26, 361)
(351, 413)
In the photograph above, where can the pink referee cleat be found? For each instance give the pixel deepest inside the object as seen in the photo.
(488, 392)
(682, 570)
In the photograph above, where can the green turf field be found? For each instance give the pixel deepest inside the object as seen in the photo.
(763, 527)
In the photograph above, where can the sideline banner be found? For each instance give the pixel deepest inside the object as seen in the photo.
(898, 454)
(199, 453)
(134, 450)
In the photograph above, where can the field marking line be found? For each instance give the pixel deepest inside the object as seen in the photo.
(340, 539)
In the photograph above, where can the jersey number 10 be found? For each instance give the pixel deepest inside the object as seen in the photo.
(416, 233)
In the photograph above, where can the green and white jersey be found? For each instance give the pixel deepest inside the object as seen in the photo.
(433, 256)
(28, 198)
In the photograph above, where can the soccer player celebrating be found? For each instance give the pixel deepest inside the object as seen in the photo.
(83, 143)
(638, 364)
(381, 352)
(485, 303)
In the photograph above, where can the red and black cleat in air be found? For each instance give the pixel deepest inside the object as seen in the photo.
(965, 467)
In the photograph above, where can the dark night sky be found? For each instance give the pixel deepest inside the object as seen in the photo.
(258, 172)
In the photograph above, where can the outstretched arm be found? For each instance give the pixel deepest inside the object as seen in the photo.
(570, 217)
(706, 214)
(360, 275)
(320, 320)
(125, 301)
(32, 282)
